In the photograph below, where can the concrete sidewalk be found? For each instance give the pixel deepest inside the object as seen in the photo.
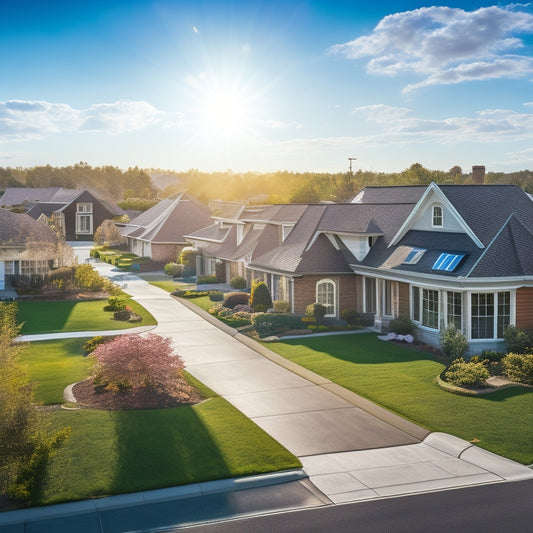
(350, 448)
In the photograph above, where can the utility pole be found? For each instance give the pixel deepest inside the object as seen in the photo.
(350, 159)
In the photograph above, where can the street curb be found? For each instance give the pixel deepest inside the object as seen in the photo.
(22, 516)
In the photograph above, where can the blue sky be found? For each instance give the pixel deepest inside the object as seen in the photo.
(267, 85)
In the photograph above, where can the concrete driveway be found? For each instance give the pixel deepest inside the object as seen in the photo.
(351, 448)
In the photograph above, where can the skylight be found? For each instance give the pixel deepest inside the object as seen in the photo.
(447, 262)
(414, 256)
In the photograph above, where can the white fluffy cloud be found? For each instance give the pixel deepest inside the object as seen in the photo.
(448, 45)
(491, 125)
(22, 120)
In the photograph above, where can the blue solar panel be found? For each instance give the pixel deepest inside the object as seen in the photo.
(447, 262)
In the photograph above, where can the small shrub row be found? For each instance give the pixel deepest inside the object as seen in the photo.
(207, 280)
(173, 269)
(190, 293)
(266, 324)
(354, 318)
(466, 373)
(238, 282)
(402, 326)
(236, 317)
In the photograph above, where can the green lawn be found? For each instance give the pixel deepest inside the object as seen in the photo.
(203, 302)
(65, 315)
(115, 452)
(52, 365)
(403, 381)
(166, 285)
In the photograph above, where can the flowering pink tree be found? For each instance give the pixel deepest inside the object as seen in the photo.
(133, 360)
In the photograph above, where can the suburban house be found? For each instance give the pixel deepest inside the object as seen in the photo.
(240, 233)
(75, 213)
(26, 247)
(438, 254)
(158, 233)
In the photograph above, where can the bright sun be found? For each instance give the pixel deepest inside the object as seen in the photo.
(224, 109)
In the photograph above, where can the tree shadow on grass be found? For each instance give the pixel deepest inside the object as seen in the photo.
(510, 392)
(164, 447)
(44, 317)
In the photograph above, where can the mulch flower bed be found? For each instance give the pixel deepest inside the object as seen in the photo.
(138, 398)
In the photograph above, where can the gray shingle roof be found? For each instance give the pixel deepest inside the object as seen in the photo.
(17, 229)
(169, 220)
(486, 208)
(46, 208)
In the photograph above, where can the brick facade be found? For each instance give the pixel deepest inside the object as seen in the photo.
(524, 308)
(305, 291)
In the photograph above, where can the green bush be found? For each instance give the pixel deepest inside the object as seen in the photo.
(402, 326)
(517, 340)
(115, 303)
(173, 269)
(231, 299)
(453, 343)
(238, 282)
(65, 274)
(266, 324)
(316, 311)
(216, 296)
(92, 344)
(281, 306)
(260, 298)
(123, 315)
(190, 294)
(462, 373)
(519, 367)
(207, 280)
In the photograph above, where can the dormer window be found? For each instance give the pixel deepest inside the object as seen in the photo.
(437, 220)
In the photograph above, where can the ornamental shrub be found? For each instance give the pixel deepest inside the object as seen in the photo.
(242, 308)
(402, 326)
(132, 360)
(65, 274)
(238, 282)
(281, 306)
(231, 299)
(173, 269)
(517, 340)
(453, 343)
(462, 373)
(92, 344)
(519, 367)
(316, 311)
(216, 296)
(115, 303)
(260, 298)
(266, 324)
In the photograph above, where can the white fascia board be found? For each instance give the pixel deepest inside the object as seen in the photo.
(444, 282)
(433, 189)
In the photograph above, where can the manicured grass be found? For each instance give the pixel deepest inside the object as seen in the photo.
(167, 285)
(52, 365)
(203, 302)
(66, 315)
(403, 381)
(114, 452)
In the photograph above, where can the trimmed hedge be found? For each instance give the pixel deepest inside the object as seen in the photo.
(266, 324)
(207, 280)
(231, 299)
(238, 282)
(519, 367)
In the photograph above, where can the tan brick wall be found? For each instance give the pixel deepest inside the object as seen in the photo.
(524, 308)
(305, 291)
(166, 252)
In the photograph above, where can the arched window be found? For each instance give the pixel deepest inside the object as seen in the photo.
(326, 295)
(437, 219)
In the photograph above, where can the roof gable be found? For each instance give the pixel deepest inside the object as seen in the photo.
(420, 216)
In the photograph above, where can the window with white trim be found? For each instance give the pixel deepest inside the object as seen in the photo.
(454, 311)
(325, 295)
(84, 207)
(490, 314)
(430, 308)
(370, 295)
(437, 217)
(84, 223)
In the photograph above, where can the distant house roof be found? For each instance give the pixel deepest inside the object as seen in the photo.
(169, 220)
(59, 196)
(18, 229)
(226, 210)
